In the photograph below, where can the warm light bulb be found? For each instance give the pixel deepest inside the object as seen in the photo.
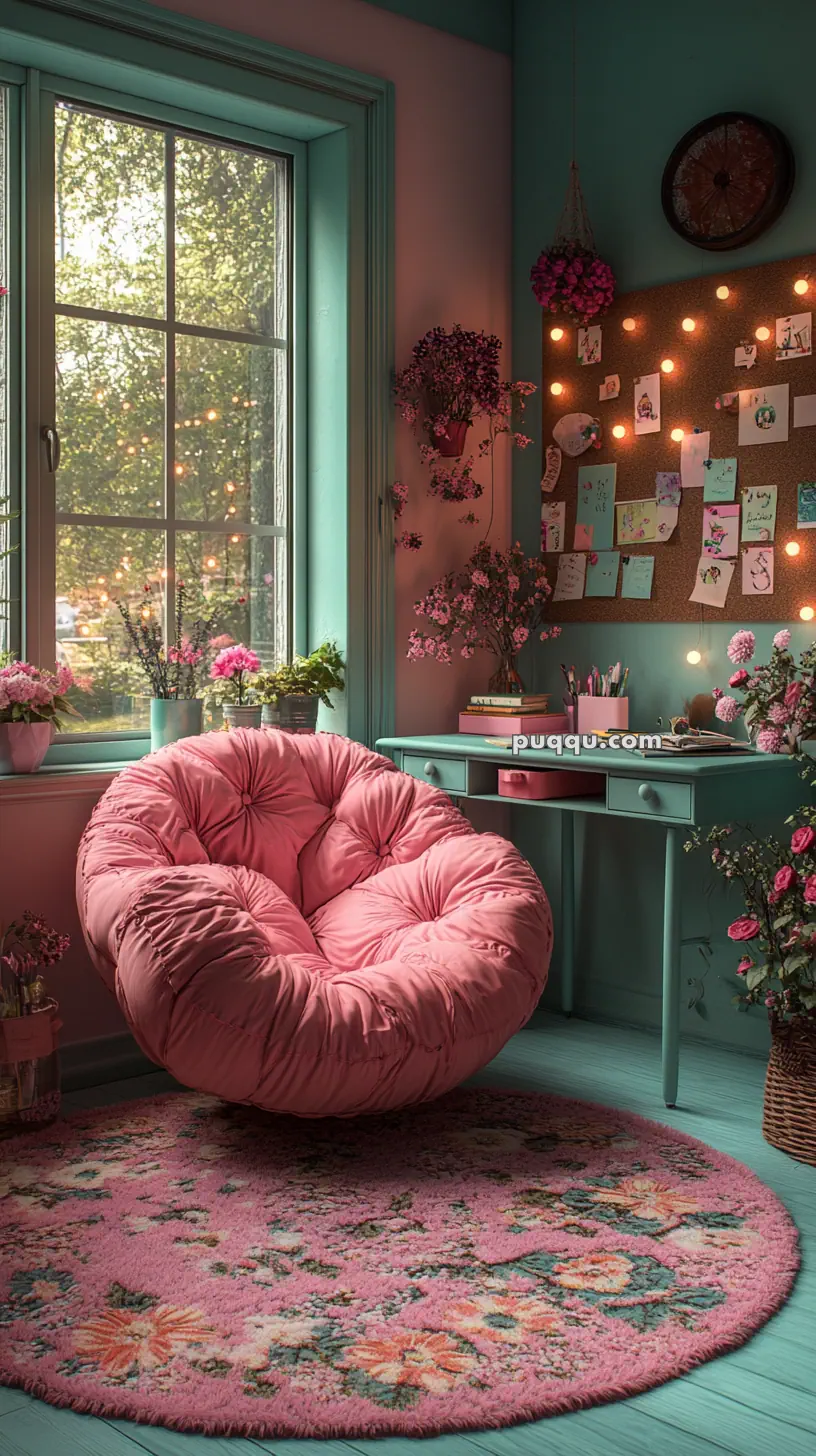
(145, 439)
(762, 333)
(86, 631)
(801, 285)
(629, 325)
(677, 434)
(131, 449)
(230, 486)
(118, 575)
(126, 405)
(196, 422)
(556, 334)
(689, 325)
(694, 657)
(619, 431)
(211, 562)
(179, 470)
(231, 510)
(793, 548)
(667, 366)
(556, 388)
(807, 614)
(235, 538)
(212, 414)
(103, 596)
(145, 612)
(100, 395)
(722, 291)
(246, 404)
(100, 581)
(187, 424)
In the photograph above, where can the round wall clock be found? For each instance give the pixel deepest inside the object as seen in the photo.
(727, 180)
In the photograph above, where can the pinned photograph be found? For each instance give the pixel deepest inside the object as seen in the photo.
(647, 404)
(610, 389)
(794, 336)
(589, 345)
(763, 415)
(711, 582)
(745, 355)
(757, 571)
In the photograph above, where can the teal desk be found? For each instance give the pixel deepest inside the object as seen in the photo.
(676, 794)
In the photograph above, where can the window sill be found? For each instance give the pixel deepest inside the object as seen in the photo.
(60, 781)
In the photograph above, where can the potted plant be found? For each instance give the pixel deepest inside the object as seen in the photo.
(777, 968)
(778, 698)
(31, 701)
(451, 377)
(296, 689)
(230, 670)
(496, 601)
(172, 671)
(29, 1022)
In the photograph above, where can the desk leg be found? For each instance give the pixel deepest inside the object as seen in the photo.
(567, 910)
(671, 966)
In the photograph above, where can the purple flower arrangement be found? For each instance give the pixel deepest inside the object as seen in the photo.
(572, 280)
(778, 698)
(451, 377)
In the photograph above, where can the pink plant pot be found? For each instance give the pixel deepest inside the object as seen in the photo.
(23, 746)
(451, 444)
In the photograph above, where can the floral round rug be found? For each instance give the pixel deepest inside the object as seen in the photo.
(490, 1258)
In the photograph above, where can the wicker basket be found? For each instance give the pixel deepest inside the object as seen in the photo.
(789, 1120)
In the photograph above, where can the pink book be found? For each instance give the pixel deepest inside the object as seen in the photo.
(503, 727)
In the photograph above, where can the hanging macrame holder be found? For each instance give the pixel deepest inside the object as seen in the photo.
(574, 225)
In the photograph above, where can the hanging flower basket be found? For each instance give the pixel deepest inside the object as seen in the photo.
(570, 277)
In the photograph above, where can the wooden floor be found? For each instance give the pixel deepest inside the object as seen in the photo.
(756, 1402)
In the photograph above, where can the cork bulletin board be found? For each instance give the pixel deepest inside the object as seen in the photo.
(704, 368)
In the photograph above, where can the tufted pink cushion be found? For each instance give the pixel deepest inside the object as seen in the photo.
(293, 922)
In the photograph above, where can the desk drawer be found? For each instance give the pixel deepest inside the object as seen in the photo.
(650, 798)
(444, 773)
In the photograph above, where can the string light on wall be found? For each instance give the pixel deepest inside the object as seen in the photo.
(694, 657)
(689, 325)
(557, 335)
(792, 548)
(667, 366)
(677, 434)
(629, 325)
(801, 285)
(807, 614)
(723, 291)
(556, 388)
(762, 333)
(619, 431)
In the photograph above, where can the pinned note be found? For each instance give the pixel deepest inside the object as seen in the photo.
(602, 574)
(647, 404)
(720, 481)
(582, 536)
(610, 389)
(569, 583)
(666, 521)
(721, 530)
(636, 521)
(757, 571)
(711, 582)
(667, 487)
(794, 336)
(763, 415)
(638, 575)
(553, 525)
(694, 452)
(759, 513)
(804, 410)
(806, 506)
(589, 345)
(552, 469)
(596, 503)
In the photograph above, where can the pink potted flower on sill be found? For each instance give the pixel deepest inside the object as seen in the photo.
(231, 668)
(31, 700)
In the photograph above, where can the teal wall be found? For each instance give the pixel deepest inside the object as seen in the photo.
(488, 22)
(646, 74)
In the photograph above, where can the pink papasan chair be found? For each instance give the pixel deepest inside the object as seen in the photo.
(291, 921)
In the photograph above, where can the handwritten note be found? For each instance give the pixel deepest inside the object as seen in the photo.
(720, 482)
(666, 521)
(638, 575)
(806, 505)
(694, 452)
(711, 582)
(602, 574)
(596, 503)
(552, 525)
(757, 571)
(721, 530)
(552, 469)
(569, 583)
(667, 487)
(636, 521)
(759, 513)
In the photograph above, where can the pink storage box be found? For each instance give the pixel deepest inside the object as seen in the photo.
(481, 724)
(596, 715)
(558, 783)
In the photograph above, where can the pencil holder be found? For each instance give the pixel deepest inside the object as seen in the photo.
(596, 715)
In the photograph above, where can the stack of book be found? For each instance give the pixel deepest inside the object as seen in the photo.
(508, 713)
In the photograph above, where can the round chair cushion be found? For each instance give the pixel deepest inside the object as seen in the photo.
(290, 921)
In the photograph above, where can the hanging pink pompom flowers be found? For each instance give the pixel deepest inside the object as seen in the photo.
(574, 281)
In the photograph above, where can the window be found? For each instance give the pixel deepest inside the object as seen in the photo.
(169, 306)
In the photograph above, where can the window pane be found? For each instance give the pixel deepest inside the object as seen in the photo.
(230, 217)
(96, 566)
(241, 583)
(231, 433)
(110, 223)
(110, 416)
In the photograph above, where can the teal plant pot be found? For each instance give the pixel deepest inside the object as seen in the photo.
(172, 719)
(242, 715)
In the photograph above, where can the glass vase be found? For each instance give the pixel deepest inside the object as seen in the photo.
(29, 1070)
(506, 679)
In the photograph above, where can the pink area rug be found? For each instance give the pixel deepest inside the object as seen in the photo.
(490, 1258)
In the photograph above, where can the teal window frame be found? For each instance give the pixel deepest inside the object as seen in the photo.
(339, 123)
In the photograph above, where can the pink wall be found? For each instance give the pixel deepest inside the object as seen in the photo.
(453, 259)
(452, 265)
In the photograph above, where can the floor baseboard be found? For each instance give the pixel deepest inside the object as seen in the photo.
(103, 1059)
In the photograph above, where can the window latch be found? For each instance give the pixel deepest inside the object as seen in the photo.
(52, 447)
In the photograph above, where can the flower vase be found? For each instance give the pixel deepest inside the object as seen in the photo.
(174, 718)
(505, 679)
(452, 443)
(23, 746)
(242, 715)
(29, 1069)
(298, 712)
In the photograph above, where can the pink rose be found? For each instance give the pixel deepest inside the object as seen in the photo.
(737, 679)
(810, 889)
(784, 879)
(802, 839)
(792, 694)
(745, 965)
(747, 928)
